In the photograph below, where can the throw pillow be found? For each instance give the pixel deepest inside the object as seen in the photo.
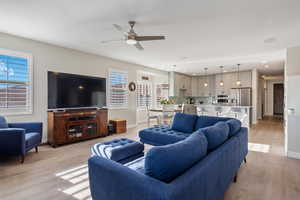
(167, 162)
(3, 123)
(184, 122)
(216, 134)
(235, 126)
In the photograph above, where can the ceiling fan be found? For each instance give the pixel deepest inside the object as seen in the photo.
(132, 38)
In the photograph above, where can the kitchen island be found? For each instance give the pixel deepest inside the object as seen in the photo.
(243, 113)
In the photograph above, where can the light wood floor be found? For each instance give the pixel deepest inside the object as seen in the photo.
(47, 175)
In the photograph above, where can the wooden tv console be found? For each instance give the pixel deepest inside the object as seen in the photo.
(70, 126)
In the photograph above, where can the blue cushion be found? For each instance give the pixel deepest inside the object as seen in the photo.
(118, 149)
(184, 122)
(235, 126)
(161, 135)
(137, 165)
(216, 135)
(3, 123)
(167, 162)
(32, 139)
(205, 121)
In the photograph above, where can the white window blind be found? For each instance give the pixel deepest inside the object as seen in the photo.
(15, 83)
(144, 94)
(117, 89)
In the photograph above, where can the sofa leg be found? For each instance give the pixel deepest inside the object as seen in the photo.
(36, 149)
(22, 159)
(235, 178)
(245, 160)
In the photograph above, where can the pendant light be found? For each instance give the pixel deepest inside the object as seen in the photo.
(221, 82)
(206, 82)
(238, 81)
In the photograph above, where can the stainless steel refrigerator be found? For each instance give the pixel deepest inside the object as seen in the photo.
(241, 96)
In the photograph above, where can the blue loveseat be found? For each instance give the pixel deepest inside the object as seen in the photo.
(19, 138)
(200, 166)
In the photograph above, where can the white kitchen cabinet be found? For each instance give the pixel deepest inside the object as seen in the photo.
(205, 91)
(188, 85)
(219, 89)
(230, 79)
(246, 79)
(212, 85)
(182, 85)
(195, 86)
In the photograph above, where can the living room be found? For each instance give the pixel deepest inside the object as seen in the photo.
(189, 76)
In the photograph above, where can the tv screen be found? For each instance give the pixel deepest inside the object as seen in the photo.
(74, 91)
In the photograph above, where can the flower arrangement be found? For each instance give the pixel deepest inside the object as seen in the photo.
(166, 102)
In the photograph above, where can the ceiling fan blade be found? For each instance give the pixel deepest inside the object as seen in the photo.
(139, 46)
(111, 41)
(149, 38)
(119, 28)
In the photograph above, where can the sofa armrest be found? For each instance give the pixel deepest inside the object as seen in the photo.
(28, 126)
(111, 180)
(12, 141)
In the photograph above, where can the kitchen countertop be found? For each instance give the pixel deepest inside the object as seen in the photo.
(221, 105)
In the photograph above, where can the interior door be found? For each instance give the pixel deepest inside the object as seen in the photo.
(278, 99)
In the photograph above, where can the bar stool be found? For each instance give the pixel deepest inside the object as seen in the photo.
(236, 111)
(219, 110)
(189, 109)
(202, 110)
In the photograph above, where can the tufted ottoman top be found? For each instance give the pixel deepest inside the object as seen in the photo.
(117, 149)
(162, 135)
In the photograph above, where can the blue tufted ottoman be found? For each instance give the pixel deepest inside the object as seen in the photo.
(161, 135)
(121, 150)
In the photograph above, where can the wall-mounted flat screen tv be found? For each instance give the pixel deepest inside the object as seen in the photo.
(75, 91)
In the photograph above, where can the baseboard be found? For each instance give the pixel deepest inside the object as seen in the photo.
(292, 154)
(131, 126)
(142, 121)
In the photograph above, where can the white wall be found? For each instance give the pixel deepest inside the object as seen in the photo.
(292, 101)
(260, 89)
(269, 96)
(48, 57)
(255, 76)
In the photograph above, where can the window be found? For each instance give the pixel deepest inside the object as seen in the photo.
(144, 94)
(162, 92)
(15, 83)
(117, 89)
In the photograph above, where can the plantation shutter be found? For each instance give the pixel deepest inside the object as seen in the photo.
(118, 91)
(15, 90)
(144, 94)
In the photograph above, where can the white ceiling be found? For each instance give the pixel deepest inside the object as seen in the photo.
(199, 33)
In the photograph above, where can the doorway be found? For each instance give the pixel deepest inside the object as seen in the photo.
(278, 101)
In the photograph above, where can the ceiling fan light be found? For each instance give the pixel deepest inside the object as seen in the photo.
(131, 41)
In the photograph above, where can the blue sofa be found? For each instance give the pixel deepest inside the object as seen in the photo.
(163, 135)
(19, 138)
(201, 165)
